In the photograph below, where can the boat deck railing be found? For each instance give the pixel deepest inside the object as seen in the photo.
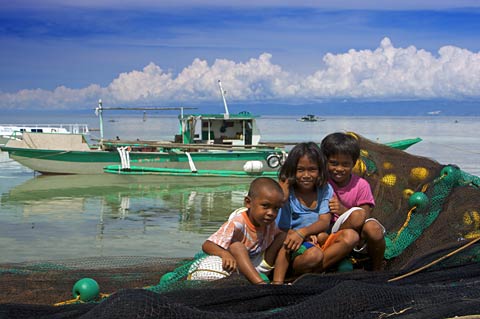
(71, 128)
(197, 146)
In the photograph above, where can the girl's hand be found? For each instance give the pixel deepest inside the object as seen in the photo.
(293, 241)
(229, 263)
(285, 185)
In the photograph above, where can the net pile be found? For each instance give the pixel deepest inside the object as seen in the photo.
(423, 205)
(432, 216)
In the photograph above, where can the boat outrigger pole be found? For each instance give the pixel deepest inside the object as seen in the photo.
(99, 111)
(227, 114)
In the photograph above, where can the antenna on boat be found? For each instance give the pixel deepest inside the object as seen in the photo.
(227, 114)
(99, 113)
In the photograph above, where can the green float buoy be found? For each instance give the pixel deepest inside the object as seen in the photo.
(86, 289)
(345, 265)
(418, 199)
(450, 173)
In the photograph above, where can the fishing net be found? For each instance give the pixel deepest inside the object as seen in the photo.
(432, 216)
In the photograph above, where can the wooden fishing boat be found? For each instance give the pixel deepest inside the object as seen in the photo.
(72, 154)
(206, 142)
(218, 145)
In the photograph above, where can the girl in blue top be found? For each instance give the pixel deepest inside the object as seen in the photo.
(305, 214)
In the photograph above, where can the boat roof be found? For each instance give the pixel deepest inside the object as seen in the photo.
(244, 115)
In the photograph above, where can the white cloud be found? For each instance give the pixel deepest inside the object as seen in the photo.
(384, 73)
(60, 98)
(255, 79)
(397, 73)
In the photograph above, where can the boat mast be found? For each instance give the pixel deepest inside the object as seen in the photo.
(227, 114)
(99, 112)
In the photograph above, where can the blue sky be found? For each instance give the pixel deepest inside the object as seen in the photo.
(68, 54)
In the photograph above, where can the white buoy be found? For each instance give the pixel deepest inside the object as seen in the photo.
(253, 167)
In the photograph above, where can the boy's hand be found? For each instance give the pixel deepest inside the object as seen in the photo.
(293, 241)
(228, 262)
(336, 206)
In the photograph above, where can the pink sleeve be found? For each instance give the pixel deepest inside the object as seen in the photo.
(364, 194)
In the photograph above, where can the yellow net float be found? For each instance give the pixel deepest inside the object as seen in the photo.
(389, 179)
(353, 134)
(359, 168)
(470, 218)
(387, 165)
(407, 192)
(419, 173)
(473, 234)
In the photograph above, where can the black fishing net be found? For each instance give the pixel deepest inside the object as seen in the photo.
(432, 216)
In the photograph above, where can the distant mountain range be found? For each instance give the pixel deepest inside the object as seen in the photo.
(331, 108)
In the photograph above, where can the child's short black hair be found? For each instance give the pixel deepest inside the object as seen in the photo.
(341, 143)
(259, 183)
(310, 149)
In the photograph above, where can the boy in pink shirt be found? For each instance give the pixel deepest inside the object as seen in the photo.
(353, 200)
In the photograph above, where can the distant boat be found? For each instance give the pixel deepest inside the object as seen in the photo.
(310, 118)
(434, 112)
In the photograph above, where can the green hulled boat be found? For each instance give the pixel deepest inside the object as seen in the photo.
(217, 145)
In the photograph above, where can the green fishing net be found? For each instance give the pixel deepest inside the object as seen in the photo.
(431, 213)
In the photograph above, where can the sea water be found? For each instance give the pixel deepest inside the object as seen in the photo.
(59, 217)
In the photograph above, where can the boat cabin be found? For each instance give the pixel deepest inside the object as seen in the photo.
(15, 131)
(227, 129)
(18, 130)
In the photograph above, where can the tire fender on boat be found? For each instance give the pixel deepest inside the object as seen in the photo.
(273, 160)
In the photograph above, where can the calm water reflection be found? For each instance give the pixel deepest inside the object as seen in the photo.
(71, 216)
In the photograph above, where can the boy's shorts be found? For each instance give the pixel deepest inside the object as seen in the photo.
(303, 248)
(342, 218)
(307, 245)
(362, 247)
